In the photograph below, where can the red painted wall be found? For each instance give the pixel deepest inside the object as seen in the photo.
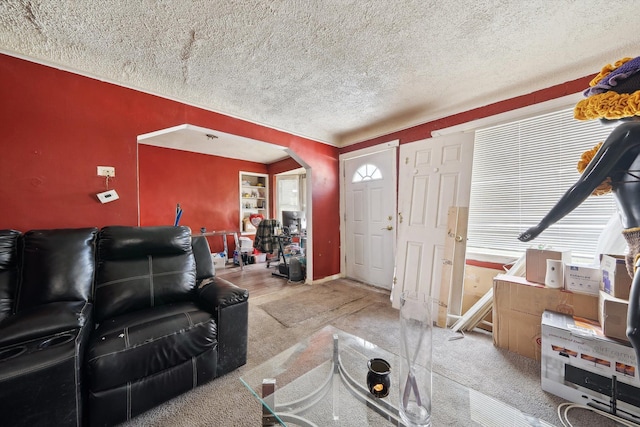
(206, 187)
(423, 131)
(58, 126)
(281, 166)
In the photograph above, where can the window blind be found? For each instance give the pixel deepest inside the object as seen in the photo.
(520, 170)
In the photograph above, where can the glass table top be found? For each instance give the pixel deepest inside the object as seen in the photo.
(321, 381)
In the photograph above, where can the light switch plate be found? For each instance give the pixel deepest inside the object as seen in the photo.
(109, 171)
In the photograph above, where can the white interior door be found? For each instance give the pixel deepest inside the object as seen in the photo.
(370, 220)
(434, 174)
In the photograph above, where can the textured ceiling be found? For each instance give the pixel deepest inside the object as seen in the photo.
(337, 71)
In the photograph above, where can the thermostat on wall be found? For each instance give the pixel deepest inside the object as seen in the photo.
(108, 196)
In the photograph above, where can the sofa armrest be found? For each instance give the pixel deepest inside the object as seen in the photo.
(45, 320)
(230, 306)
(214, 293)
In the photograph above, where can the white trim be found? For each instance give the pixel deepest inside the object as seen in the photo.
(369, 150)
(326, 279)
(512, 115)
(308, 212)
(138, 180)
(169, 130)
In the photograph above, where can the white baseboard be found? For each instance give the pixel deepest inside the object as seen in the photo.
(326, 279)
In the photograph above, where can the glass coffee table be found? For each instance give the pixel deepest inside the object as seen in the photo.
(321, 381)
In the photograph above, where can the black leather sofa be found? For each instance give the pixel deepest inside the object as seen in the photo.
(97, 327)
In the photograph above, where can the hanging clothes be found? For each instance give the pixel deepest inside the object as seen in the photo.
(265, 240)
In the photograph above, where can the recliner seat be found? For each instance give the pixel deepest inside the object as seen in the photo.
(154, 340)
(163, 323)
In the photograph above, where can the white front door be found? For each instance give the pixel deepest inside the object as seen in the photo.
(434, 175)
(370, 217)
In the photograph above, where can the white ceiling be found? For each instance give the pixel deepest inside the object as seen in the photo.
(201, 140)
(336, 71)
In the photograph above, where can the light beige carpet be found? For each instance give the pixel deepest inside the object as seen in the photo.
(472, 361)
(317, 300)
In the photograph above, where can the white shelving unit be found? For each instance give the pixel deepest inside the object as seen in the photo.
(254, 198)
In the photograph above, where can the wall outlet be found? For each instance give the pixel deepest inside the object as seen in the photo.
(109, 171)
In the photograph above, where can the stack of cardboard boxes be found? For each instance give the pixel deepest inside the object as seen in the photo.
(578, 331)
(598, 293)
(614, 297)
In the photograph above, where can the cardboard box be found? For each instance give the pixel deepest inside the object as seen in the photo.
(219, 260)
(536, 262)
(582, 279)
(517, 312)
(612, 315)
(477, 282)
(583, 366)
(246, 244)
(615, 278)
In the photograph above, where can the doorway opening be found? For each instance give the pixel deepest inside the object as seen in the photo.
(199, 169)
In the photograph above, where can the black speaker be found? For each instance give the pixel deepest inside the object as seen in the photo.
(295, 270)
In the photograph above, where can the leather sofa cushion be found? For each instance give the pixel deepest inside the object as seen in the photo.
(202, 254)
(139, 344)
(57, 265)
(142, 267)
(44, 320)
(8, 270)
(122, 242)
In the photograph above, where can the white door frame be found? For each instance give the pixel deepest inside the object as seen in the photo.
(343, 203)
(308, 213)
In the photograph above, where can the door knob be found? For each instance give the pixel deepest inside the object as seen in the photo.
(458, 238)
(388, 227)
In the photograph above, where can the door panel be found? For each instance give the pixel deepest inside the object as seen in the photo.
(434, 174)
(411, 271)
(370, 227)
(420, 187)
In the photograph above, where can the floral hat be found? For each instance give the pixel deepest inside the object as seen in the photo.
(613, 94)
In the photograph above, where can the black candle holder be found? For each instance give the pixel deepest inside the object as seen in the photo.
(378, 380)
